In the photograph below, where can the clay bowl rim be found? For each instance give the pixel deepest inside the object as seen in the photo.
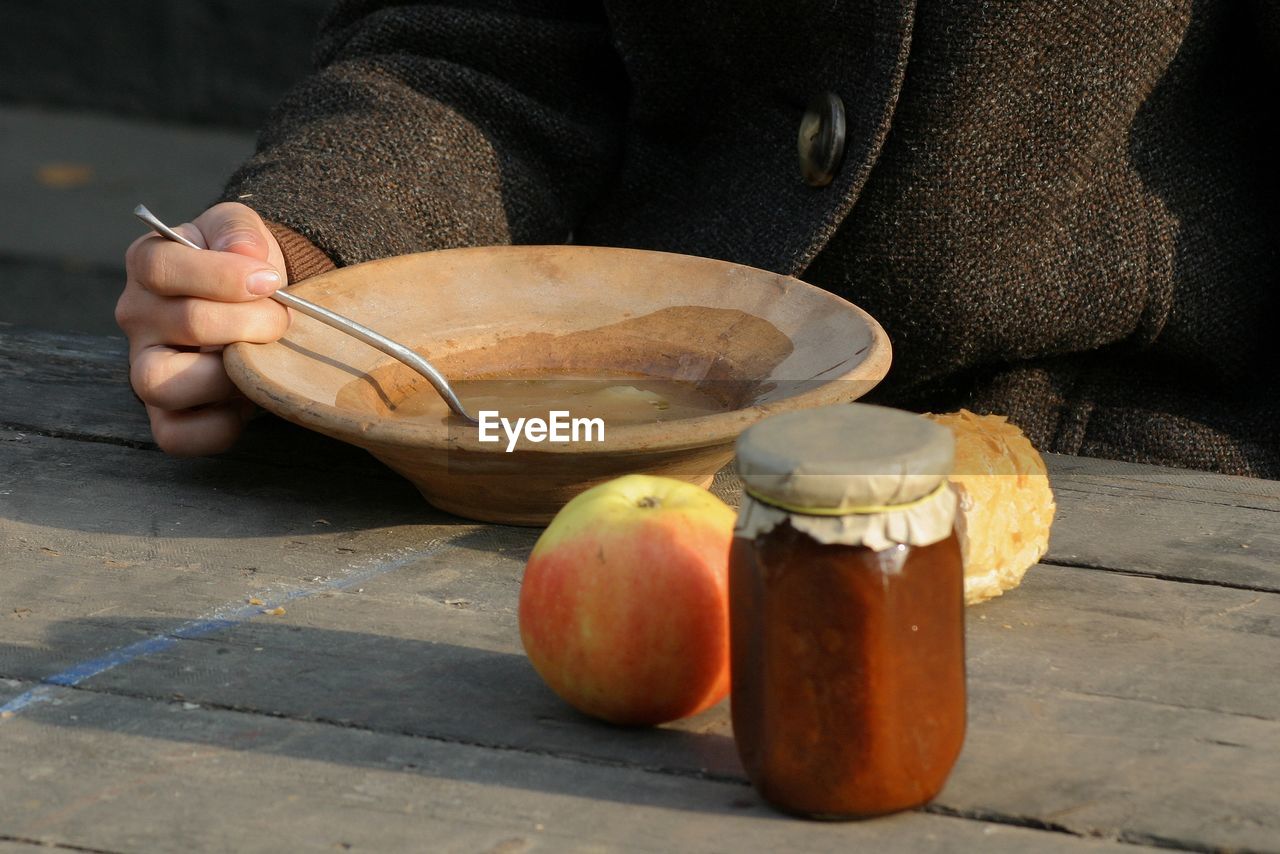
(243, 364)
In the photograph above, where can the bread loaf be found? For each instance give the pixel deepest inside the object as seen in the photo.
(1006, 506)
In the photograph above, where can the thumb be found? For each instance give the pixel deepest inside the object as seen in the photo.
(233, 227)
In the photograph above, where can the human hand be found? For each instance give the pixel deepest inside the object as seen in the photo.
(179, 308)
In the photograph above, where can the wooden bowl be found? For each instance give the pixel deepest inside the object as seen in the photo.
(756, 342)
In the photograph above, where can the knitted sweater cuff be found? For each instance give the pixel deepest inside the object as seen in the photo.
(302, 259)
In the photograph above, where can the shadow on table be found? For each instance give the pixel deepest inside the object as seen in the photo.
(443, 710)
(267, 488)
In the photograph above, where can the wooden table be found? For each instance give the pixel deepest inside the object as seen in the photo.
(1128, 694)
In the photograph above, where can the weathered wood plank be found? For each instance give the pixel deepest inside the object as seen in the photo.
(99, 489)
(1067, 688)
(119, 773)
(142, 512)
(1143, 709)
(91, 530)
(1073, 676)
(66, 384)
(1194, 526)
(1102, 476)
(77, 386)
(1165, 522)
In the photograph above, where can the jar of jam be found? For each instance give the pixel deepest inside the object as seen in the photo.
(846, 597)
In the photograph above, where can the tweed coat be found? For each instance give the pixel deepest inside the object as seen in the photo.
(1063, 212)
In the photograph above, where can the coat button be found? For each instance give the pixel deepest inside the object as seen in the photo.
(821, 140)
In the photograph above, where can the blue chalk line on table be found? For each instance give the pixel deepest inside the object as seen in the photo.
(225, 616)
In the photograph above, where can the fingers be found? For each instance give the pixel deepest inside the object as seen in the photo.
(194, 408)
(171, 379)
(170, 269)
(199, 432)
(149, 320)
(233, 227)
(245, 265)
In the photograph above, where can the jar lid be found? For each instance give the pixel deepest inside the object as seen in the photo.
(849, 458)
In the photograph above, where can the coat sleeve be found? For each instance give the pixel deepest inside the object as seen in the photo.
(428, 126)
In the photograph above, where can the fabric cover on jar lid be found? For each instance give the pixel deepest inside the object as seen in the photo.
(854, 474)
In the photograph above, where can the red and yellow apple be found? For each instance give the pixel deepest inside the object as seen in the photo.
(624, 607)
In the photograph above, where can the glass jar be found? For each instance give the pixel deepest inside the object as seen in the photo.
(846, 595)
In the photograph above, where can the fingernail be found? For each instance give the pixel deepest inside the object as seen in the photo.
(263, 282)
